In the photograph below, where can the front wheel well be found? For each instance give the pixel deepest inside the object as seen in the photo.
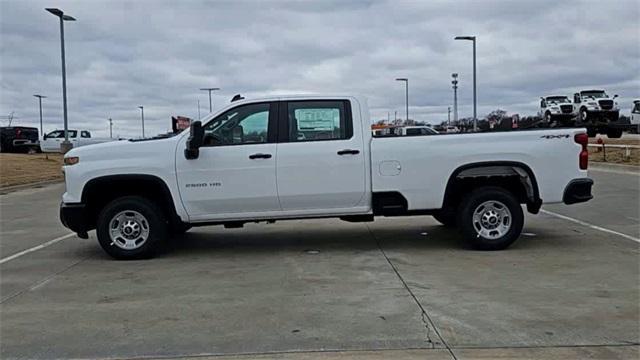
(98, 192)
(515, 177)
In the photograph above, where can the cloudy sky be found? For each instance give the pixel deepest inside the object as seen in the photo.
(121, 54)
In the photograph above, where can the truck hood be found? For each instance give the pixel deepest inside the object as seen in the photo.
(124, 149)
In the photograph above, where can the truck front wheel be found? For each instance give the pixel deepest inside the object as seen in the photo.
(131, 227)
(490, 218)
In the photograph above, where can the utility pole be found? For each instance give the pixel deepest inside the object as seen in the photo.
(388, 116)
(210, 90)
(65, 146)
(406, 83)
(454, 82)
(395, 115)
(110, 128)
(449, 115)
(199, 109)
(40, 97)
(142, 115)
(475, 98)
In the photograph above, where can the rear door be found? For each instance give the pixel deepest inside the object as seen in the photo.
(321, 158)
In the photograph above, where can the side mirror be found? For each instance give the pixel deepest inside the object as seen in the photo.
(195, 141)
(615, 96)
(44, 137)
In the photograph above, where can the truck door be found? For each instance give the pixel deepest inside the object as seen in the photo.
(321, 157)
(235, 173)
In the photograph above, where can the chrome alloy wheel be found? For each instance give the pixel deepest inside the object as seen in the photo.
(129, 230)
(492, 219)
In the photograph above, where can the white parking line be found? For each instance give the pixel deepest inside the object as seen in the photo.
(36, 248)
(592, 226)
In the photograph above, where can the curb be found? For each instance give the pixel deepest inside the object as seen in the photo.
(9, 189)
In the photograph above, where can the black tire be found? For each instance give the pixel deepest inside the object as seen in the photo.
(446, 217)
(614, 133)
(583, 115)
(155, 223)
(473, 201)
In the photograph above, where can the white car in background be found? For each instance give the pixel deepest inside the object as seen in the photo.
(556, 110)
(452, 129)
(635, 116)
(51, 141)
(416, 131)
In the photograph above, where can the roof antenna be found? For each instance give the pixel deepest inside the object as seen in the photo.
(237, 97)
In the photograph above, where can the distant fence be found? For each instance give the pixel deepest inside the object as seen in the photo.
(626, 149)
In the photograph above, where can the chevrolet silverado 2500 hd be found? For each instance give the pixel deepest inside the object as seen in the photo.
(314, 157)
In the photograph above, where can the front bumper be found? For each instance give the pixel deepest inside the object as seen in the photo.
(577, 191)
(73, 217)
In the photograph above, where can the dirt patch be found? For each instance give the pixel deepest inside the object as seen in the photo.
(20, 169)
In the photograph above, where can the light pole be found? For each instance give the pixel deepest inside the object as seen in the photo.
(110, 128)
(65, 145)
(210, 90)
(406, 82)
(475, 99)
(448, 115)
(40, 97)
(142, 116)
(454, 82)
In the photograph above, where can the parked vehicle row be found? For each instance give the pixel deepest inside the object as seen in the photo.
(314, 157)
(593, 109)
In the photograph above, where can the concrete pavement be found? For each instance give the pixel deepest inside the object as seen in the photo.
(325, 289)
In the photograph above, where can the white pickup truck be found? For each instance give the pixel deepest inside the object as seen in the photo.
(51, 141)
(303, 157)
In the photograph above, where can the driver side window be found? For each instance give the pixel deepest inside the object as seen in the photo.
(246, 124)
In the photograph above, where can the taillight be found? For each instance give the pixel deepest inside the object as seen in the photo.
(18, 133)
(583, 158)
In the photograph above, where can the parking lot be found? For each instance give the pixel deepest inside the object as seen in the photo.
(394, 288)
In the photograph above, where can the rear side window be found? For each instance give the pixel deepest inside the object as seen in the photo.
(319, 120)
(85, 134)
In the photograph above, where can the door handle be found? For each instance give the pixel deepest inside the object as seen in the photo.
(260, 156)
(348, 152)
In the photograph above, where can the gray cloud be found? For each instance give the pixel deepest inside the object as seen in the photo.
(121, 54)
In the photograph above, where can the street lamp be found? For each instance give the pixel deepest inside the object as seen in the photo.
(142, 115)
(209, 90)
(475, 99)
(454, 82)
(65, 145)
(40, 97)
(406, 82)
(110, 128)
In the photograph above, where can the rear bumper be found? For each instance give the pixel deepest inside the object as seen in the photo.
(577, 191)
(73, 217)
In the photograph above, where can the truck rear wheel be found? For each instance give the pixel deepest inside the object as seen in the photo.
(490, 218)
(131, 227)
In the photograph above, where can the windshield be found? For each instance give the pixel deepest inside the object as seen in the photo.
(558, 99)
(594, 94)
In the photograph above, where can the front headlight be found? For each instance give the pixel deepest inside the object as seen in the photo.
(592, 104)
(71, 160)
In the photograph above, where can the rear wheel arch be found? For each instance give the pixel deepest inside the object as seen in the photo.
(515, 176)
(100, 191)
